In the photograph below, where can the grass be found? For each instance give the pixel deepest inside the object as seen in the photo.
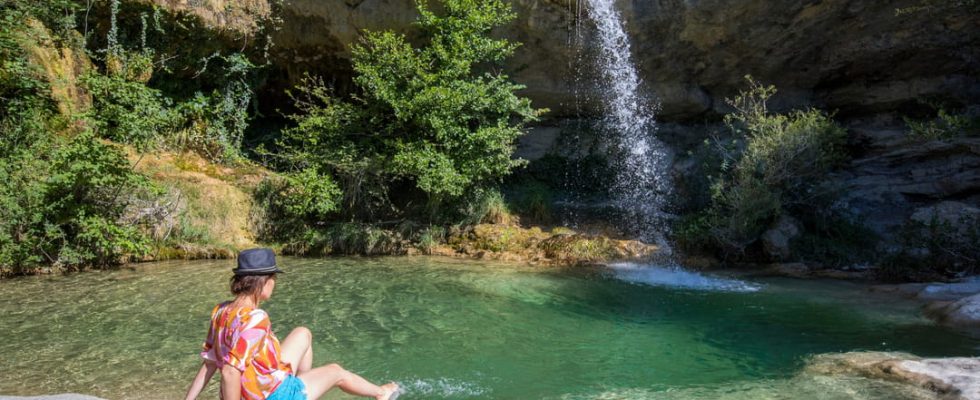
(206, 211)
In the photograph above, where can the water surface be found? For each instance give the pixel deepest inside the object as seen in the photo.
(452, 329)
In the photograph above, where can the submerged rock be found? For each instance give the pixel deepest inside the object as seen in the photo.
(957, 378)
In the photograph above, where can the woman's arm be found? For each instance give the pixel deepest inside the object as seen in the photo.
(231, 383)
(201, 380)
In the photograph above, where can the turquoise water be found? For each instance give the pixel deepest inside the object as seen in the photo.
(451, 329)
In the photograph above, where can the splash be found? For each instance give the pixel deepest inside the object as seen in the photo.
(676, 277)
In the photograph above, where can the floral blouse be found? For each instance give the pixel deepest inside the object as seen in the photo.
(242, 337)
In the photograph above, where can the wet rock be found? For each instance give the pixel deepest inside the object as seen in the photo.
(775, 241)
(792, 270)
(964, 312)
(950, 291)
(957, 378)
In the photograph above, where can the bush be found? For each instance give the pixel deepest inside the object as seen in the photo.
(295, 203)
(946, 125)
(61, 204)
(129, 111)
(426, 116)
(775, 164)
(346, 238)
(533, 201)
(935, 250)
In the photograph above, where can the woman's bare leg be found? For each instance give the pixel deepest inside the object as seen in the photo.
(297, 350)
(320, 380)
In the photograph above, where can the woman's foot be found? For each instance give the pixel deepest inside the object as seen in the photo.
(391, 391)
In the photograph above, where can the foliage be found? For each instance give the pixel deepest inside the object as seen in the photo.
(292, 201)
(61, 203)
(935, 249)
(210, 123)
(532, 200)
(129, 111)
(349, 238)
(216, 123)
(62, 192)
(426, 116)
(579, 248)
(429, 238)
(946, 125)
(774, 164)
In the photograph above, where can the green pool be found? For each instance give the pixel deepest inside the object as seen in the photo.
(451, 329)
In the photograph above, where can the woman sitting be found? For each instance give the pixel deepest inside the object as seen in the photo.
(253, 365)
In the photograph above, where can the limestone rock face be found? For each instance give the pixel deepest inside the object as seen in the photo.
(857, 56)
(900, 180)
(852, 55)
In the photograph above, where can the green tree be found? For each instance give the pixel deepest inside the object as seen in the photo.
(441, 117)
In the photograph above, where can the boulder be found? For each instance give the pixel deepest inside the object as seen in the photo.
(957, 378)
(776, 240)
(964, 312)
(950, 291)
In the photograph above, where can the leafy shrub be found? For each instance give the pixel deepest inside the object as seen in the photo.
(935, 250)
(61, 203)
(946, 125)
(429, 238)
(216, 123)
(346, 238)
(533, 200)
(775, 164)
(294, 203)
(129, 111)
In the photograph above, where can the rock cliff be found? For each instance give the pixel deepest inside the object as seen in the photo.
(857, 56)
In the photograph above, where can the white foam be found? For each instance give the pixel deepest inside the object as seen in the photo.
(441, 387)
(677, 277)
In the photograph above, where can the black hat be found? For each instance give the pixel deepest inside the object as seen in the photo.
(257, 262)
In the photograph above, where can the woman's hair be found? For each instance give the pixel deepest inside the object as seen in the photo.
(250, 285)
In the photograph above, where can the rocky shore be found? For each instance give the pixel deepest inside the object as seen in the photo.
(955, 304)
(948, 378)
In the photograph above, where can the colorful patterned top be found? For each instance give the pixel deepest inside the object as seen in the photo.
(242, 337)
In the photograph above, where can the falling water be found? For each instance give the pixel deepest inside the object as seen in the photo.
(642, 182)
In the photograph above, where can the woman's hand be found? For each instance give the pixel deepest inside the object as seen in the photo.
(231, 383)
(201, 380)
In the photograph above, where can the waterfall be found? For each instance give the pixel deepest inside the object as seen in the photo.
(642, 182)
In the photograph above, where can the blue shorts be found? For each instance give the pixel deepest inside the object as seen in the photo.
(292, 388)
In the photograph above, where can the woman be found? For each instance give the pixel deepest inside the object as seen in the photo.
(253, 365)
